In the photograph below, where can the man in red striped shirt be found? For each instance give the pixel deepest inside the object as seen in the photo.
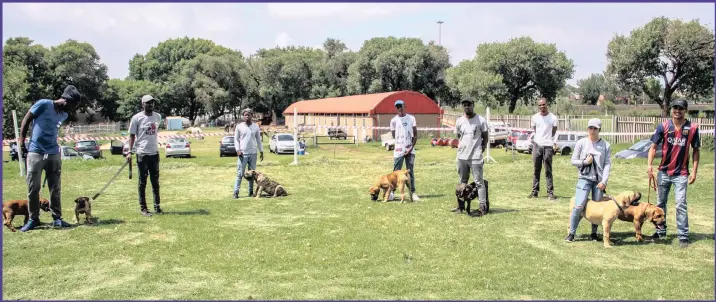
(677, 134)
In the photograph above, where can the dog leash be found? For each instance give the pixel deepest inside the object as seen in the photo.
(112, 179)
(652, 186)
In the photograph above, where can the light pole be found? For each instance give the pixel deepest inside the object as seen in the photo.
(440, 32)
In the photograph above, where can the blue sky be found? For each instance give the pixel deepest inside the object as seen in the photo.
(120, 30)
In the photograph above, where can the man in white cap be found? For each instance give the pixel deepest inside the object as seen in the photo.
(143, 130)
(404, 130)
(592, 156)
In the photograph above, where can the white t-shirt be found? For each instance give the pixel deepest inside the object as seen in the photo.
(145, 128)
(403, 127)
(470, 130)
(543, 128)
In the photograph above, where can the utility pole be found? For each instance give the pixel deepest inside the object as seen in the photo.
(440, 32)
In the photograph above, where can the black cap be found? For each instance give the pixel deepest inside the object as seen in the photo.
(467, 100)
(680, 103)
(71, 94)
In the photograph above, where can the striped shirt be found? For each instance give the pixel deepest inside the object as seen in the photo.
(675, 150)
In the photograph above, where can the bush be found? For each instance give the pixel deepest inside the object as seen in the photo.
(708, 143)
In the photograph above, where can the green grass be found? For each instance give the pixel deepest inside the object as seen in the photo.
(327, 240)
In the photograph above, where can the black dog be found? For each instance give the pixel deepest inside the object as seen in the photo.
(465, 193)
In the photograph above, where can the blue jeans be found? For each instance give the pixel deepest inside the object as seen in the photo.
(409, 164)
(241, 163)
(664, 182)
(584, 187)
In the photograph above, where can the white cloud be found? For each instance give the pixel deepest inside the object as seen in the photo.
(283, 40)
(297, 11)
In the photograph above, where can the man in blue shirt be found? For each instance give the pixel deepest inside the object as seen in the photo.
(44, 153)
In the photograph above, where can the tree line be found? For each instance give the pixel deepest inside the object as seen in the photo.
(194, 76)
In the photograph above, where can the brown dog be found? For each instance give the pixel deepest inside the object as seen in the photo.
(641, 213)
(83, 206)
(12, 208)
(389, 182)
(605, 212)
(265, 184)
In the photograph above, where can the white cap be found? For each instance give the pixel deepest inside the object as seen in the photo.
(595, 122)
(147, 98)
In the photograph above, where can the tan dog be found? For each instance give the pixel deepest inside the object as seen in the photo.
(641, 213)
(605, 212)
(389, 182)
(83, 206)
(12, 208)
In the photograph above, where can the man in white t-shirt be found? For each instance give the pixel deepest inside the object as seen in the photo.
(544, 124)
(143, 130)
(471, 130)
(404, 130)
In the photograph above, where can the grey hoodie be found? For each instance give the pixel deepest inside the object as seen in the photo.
(601, 152)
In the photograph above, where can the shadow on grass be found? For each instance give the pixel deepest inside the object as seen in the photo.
(431, 196)
(629, 238)
(190, 212)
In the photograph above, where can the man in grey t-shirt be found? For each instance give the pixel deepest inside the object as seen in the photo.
(471, 129)
(247, 139)
(143, 130)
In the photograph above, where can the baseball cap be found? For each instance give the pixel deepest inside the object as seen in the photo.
(467, 100)
(71, 93)
(399, 102)
(595, 122)
(148, 98)
(680, 103)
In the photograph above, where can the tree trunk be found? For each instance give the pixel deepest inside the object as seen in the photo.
(513, 103)
(666, 103)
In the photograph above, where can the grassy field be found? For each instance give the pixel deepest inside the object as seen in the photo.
(327, 240)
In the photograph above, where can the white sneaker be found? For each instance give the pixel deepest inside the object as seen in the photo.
(391, 196)
(415, 197)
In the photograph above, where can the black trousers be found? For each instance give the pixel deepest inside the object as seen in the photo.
(148, 166)
(542, 156)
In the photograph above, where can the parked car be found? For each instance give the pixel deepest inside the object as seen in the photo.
(68, 153)
(387, 141)
(513, 137)
(227, 147)
(498, 136)
(282, 143)
(639, 150)
(337, 133)
(566, 141)
(177, 147)
(524, 143)
(89, 147)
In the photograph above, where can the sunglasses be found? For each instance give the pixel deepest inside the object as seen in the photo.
(678, 108)
(592, 128)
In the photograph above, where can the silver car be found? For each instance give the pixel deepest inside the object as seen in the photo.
(566, 141)
(177, 147)
(282, 143)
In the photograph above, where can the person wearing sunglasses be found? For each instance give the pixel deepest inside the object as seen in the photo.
(677, 135)
(592, 157)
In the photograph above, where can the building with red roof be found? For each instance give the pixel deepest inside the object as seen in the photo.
(365, 110)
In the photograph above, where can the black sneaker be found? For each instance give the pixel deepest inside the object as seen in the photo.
(158, 210)
(684, 243)
(146, 213)
(570, 238)
(532, 195)
(658, 236)
(594, 237)
(236, 195)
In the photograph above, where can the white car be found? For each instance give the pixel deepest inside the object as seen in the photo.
(282, 143)
(177, 147)
(524, 142)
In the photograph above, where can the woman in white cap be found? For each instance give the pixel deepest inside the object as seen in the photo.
(592, 157)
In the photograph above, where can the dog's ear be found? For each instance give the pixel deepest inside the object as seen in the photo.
(77, 200)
